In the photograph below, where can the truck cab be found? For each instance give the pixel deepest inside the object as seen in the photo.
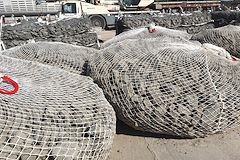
(99, 15)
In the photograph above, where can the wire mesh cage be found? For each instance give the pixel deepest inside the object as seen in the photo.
(148, 32)
(227, 37)
(55, 114)
(65, 56)
(166, 87)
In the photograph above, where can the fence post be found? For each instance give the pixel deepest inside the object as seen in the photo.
(2, 47)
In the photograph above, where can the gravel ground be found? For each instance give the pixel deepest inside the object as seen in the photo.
(134, 145)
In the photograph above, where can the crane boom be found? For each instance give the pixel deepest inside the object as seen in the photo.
(166, 4)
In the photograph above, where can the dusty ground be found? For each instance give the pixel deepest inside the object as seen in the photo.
(106, 35)
(130, 144)
(134, 145)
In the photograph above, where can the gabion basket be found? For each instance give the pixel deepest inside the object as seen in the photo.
(74, 31)
(173, 21)
(148, 32)
(54, 115)
(227, 37)
(179, 89)
(65, 56)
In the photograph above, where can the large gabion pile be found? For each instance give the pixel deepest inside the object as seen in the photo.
(222, 18)
(191, 23)
(149, 32)
(65, 56)
(54, 114)
(194, 29)
(74, 31)
(156, 79)
(227, 37)
(170, 88)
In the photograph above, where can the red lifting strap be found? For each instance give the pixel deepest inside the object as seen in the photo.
(151, 31)
(233, 58)
(13, 82)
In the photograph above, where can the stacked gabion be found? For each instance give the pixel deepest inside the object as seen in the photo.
(54, 114)
(186, 22)
(170, 88)
(195, 29)
(227, 37)
(222, 18)
(74, 31)
(150, 32)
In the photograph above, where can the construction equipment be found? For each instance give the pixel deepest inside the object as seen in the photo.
(167, 4)
(98, 14)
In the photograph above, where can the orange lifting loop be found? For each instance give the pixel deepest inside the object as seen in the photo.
(5, 78)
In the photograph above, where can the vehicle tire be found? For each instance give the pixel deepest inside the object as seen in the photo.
(98, 21)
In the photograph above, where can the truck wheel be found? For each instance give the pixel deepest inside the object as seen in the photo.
(98, 21)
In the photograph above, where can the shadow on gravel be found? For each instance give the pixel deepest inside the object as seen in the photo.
(122, 128)
(109, 28)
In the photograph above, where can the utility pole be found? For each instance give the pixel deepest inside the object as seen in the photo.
(2, 47)
(82, 9)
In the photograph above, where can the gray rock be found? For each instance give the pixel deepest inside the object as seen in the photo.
(62, 31)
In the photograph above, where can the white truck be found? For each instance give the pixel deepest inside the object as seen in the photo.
(99, 15)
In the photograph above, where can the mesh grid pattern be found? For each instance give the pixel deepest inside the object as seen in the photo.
(169, 88)
(143, 33)
(227, 37)
(54, 115)
(65, 56)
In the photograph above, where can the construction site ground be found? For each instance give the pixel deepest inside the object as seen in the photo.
(130, 144)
